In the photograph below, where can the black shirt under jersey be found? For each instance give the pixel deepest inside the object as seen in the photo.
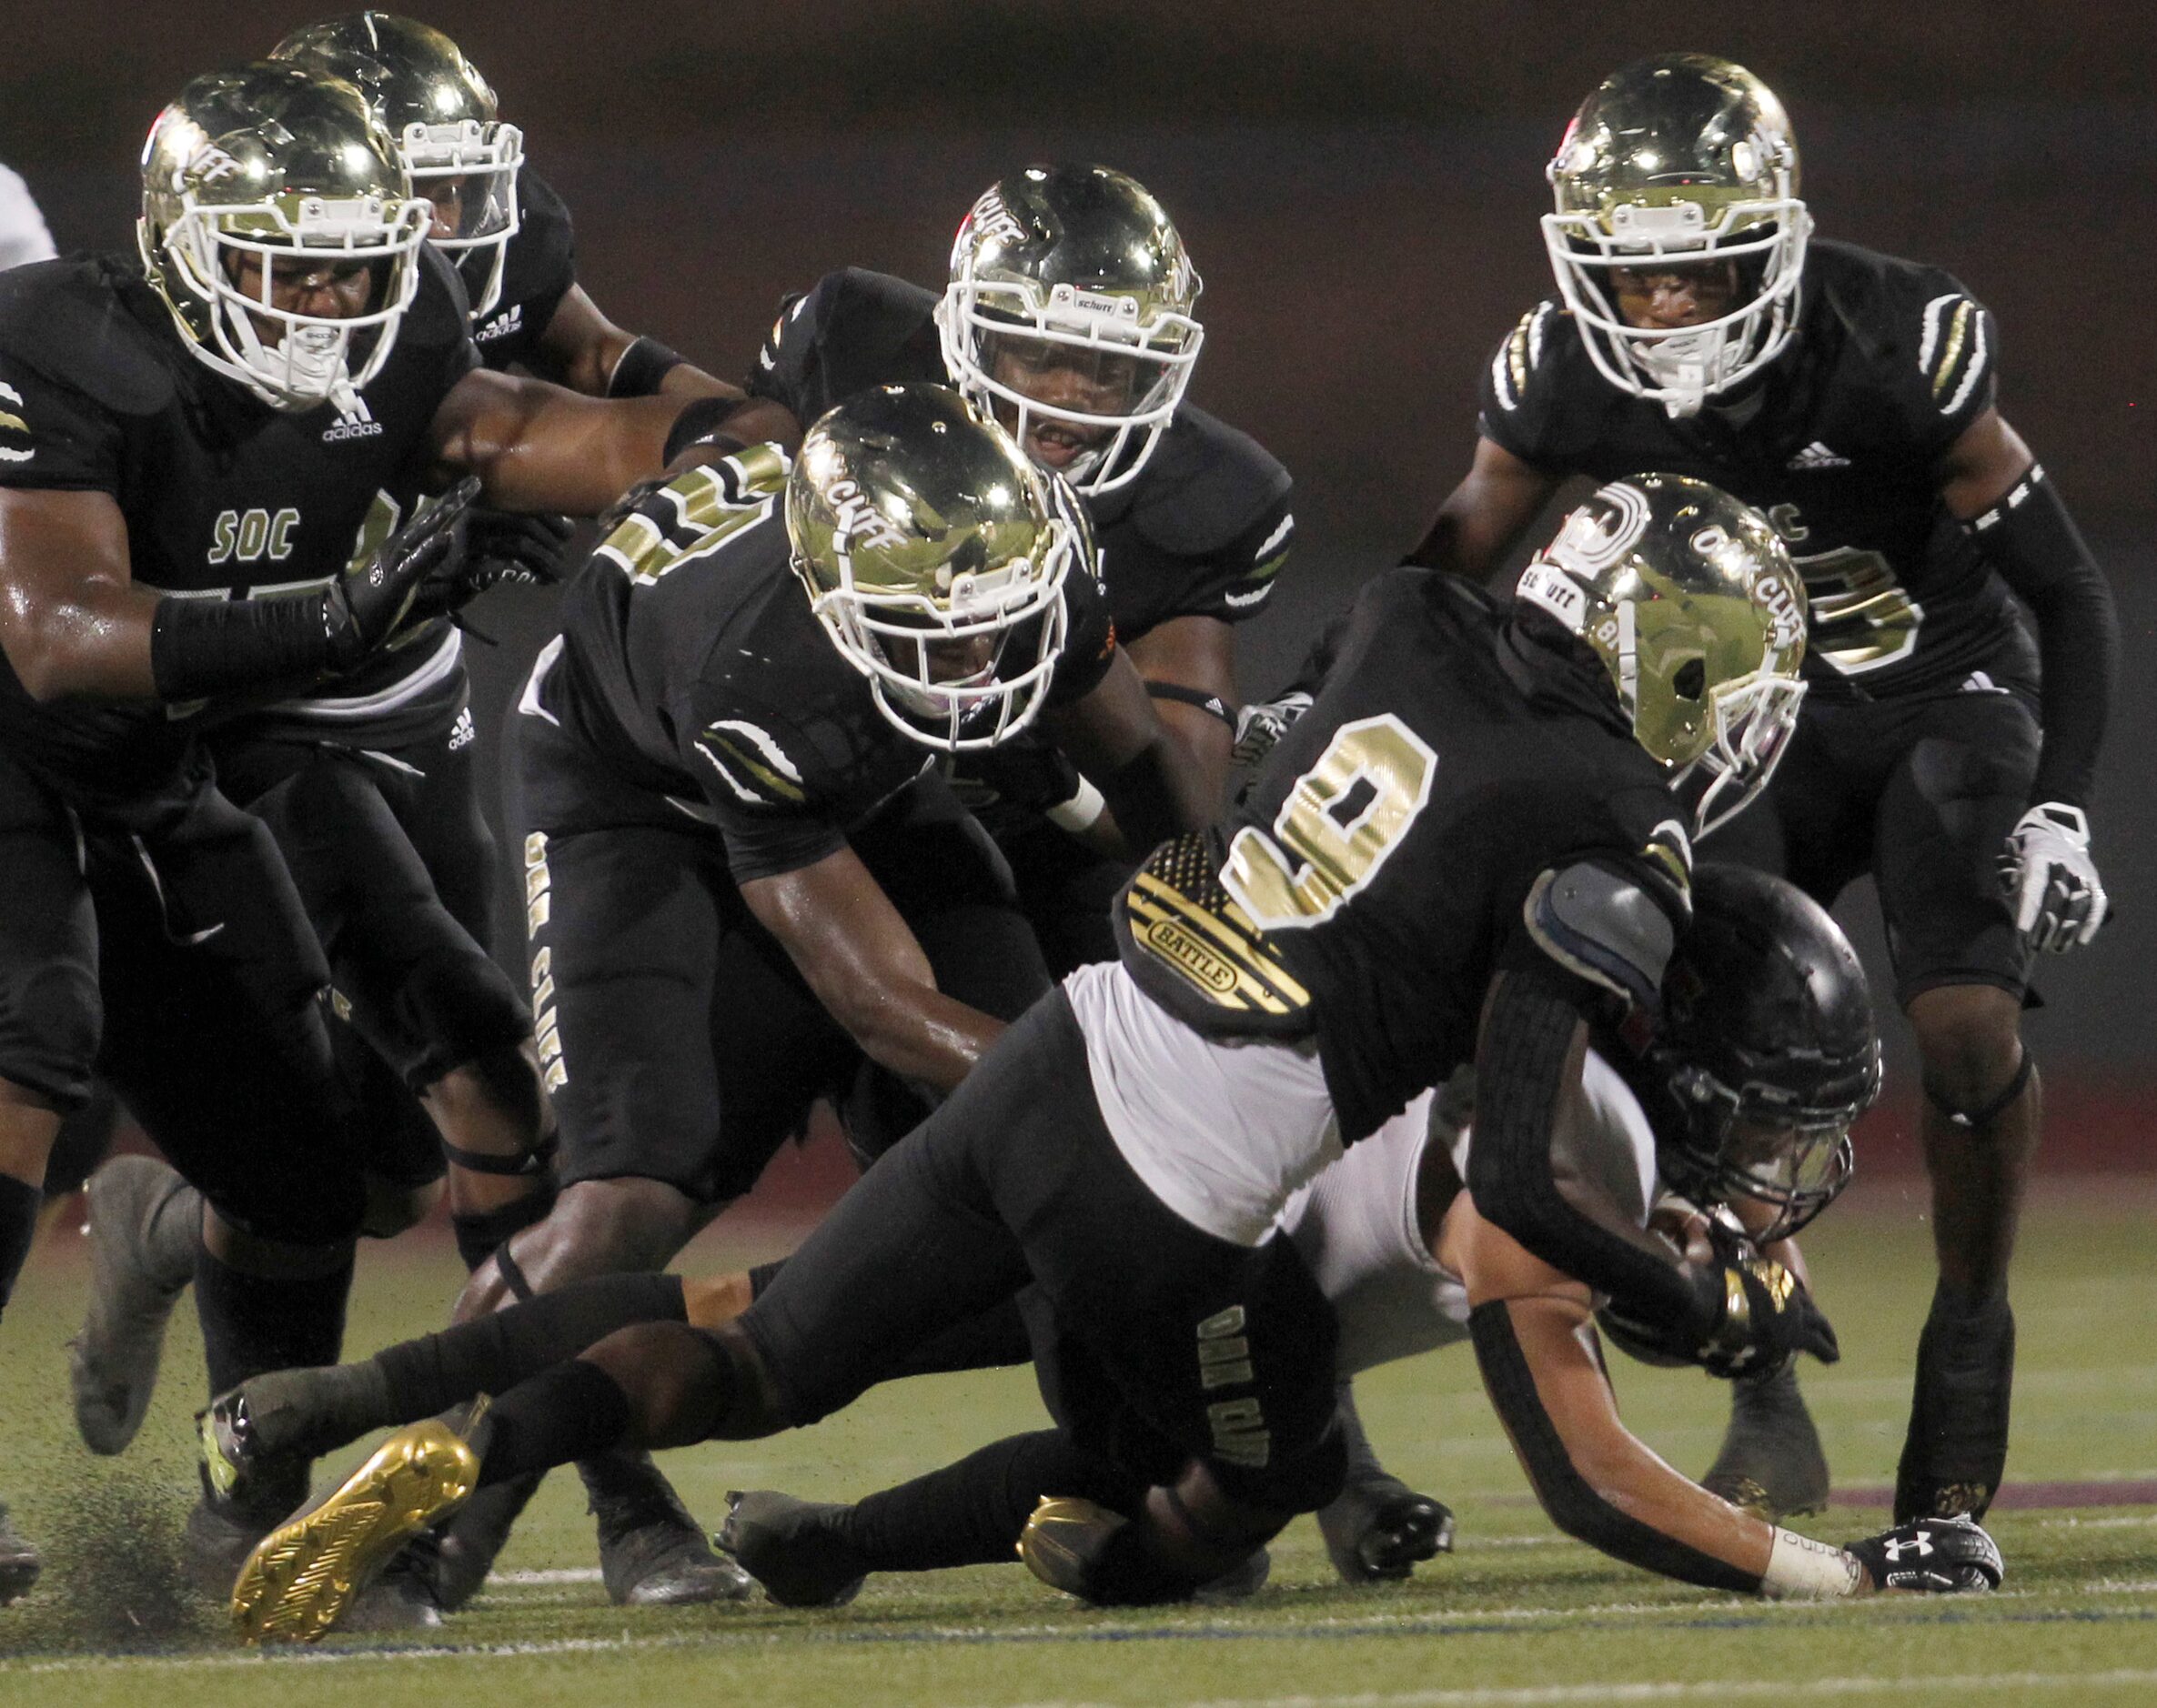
(222, 496)
(1839, 445)
(693, 664)
(539, 269)
(1368, 887)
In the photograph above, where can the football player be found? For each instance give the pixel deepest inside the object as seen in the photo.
(1470, 837)
(1071, 315)
(727, 819)
(508, 232)
(1744, 1093)
(192, 448)
(1850, 396)
(22, 237)
(374, 803)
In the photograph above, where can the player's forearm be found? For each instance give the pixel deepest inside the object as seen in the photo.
(537, 447)
(916, 1031)
(95, 646)
(1602, 1486)
(1527, 1072)
(2031, 540)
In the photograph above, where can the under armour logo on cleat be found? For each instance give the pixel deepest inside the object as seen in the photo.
(1818, 455)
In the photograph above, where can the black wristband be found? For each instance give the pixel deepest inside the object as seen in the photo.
(203, 647)
(698, 424)
(643, 366)
(1211, 704)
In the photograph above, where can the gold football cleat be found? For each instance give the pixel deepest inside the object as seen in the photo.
(1063, 1540)
(304, 1576)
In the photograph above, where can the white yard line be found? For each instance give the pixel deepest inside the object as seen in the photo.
(1653, 1691)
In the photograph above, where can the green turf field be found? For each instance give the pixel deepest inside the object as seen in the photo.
(1517, 1616)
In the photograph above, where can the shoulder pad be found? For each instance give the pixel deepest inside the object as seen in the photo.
(541, 205)
(64, 320)
(752, 764)
(1930, 339)
(1517, 359)
(1206, 485)
(1603, 926)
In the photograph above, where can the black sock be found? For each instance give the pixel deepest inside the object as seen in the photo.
(19, 1226)
(573, 1411)
(491, 1354)
(251, 1323)
(1956, 1450)
(971, 1513)
(1363, 1458)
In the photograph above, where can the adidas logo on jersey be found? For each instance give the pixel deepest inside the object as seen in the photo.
(354, 421)
(463, 733)
(1979, 683)
(1818, 455)
(510, 319)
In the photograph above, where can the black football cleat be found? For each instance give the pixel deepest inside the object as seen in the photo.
(112, 1364)
(1771, 1462)
(651, 1551)
(795, 1549)
(19, 1563)
(1377, 1529)
(465, 1547)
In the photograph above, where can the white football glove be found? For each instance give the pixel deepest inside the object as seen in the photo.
(1263, 722)
(2050, 879)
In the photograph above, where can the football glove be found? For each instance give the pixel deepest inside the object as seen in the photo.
(501, 547)
(425, 558)
(2052, 882)
(1753, 1316)
(1260, 724)
(1935, 1556)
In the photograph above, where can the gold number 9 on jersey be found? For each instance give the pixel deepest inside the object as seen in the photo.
(1340, 823)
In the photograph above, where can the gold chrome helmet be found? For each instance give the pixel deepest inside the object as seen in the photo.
(1688, 598)
(1679, 160)
(442, 115)
(1077, 267)
(262, 163)
(934, 553)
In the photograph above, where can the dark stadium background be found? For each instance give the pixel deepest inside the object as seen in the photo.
(1359, 185)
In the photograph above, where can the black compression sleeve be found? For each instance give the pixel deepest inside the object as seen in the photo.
(1573, 1503)
(2030, 539)
(641, 369)
(1520, 1077)
(203, 647)
(698, 424)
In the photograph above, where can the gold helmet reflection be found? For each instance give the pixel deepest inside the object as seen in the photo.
(1687, 598)
(1679, 160)
(921, 531)
(247, 169)
(1085, 264)
(444, 119)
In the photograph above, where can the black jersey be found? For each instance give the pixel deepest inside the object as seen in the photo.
(538, 270)
(1202, 530)
(223, 497)
(1839, 446)
(692, 663)
(1365, 890)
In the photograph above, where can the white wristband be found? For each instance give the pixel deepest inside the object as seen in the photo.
(1081, 812)
(1802, 1570)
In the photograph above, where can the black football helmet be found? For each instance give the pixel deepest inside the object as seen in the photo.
(1765, 1052)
